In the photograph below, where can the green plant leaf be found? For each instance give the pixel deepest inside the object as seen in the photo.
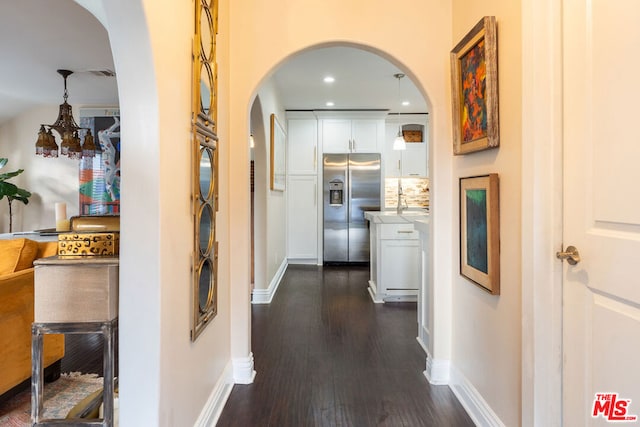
(20, 198)
(7, 189)
(5, 176)
(3, 162)
(23, 193)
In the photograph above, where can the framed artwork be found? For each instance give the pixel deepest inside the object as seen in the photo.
(474, 84)
(100, 175)
(480, 231)
(278, 153)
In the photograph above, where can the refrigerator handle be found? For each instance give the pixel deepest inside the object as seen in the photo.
(348, 175)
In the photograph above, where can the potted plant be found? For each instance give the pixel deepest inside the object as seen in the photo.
(11, 191)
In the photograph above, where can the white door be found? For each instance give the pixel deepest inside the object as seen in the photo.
(601, 213)
(336, 136)
(302, 224)
(365, 134)
(302, 136)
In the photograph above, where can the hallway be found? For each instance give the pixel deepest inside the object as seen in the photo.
(325, 355)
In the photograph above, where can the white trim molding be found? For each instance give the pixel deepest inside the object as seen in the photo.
(217, 399)
(478, 409)
(264, 296)
(243, 372)
(437, 371)
(541, 219)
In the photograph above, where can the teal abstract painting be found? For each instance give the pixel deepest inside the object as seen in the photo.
(477, 244)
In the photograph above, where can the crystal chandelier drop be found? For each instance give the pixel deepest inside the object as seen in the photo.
(67, 128)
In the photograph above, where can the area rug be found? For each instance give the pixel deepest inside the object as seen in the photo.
(59, 397)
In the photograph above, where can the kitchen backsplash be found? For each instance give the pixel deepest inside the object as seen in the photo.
(415, 191)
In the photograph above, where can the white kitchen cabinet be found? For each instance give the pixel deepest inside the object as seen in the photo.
(352, 135)
(302, 214)
(395, 257)
(410, 162)
(399, 269)
(302, 144)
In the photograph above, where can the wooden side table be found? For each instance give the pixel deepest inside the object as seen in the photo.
(72, 296)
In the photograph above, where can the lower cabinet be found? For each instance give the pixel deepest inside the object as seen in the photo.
(400, 267)
(302, 215)
(395, 271)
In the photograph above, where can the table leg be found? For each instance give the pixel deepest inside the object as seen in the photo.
(37, 374)
(108, 330)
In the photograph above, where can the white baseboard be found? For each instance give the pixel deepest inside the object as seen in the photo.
(373, 293)
(422, 344)
(217, 399)
(437, 371)
(472, 401)
(303, 261)
(264, 296)
(243, 372)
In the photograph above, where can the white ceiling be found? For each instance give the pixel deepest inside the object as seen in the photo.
(363, 80)
(37, 37)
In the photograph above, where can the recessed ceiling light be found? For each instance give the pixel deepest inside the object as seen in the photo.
(329, 79)
(330, 104)
(405, 103)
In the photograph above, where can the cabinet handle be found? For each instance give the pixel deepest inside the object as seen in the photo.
(315, 157)
(398, 164)
(315, 194)
(405, 231)
(354, 146)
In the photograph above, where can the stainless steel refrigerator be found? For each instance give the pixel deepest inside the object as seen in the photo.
(351, 186)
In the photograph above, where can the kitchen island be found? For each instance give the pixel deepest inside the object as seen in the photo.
(395, 255)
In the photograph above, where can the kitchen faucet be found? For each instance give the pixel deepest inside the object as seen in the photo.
(400, 207)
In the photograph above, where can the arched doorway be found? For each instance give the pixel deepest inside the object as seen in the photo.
(271, 97)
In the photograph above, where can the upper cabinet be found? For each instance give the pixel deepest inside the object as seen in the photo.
(414, 160)
(302, 144)
(346, 133)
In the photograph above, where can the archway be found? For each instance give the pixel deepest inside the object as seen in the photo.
(267, 98)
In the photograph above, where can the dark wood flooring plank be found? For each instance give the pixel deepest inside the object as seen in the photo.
(325, 355)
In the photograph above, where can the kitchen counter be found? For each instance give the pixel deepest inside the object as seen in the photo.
(392, 217)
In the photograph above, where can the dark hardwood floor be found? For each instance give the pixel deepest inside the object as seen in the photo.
(325, 355)
(82, 353)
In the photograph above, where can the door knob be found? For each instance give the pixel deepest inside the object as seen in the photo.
(571, 254)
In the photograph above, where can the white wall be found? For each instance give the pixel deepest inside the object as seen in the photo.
(271, 208)
(147, 36)
(49, 180)
(487, 329)
(165, 378)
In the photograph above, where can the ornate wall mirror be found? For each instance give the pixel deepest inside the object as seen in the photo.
(204, 147)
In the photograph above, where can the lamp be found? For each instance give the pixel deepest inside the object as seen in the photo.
(399, 143)
(67, 128)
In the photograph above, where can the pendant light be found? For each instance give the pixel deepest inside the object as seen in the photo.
(399, 143)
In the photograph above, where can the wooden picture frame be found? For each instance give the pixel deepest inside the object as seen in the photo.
(278, 153)
(474, 85)
(480, 231)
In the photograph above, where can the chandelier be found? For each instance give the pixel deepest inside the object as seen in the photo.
(67, 128)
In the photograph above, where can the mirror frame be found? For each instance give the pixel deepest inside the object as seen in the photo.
(204, 137)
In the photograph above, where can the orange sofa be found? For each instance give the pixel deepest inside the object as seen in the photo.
(16, 313)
